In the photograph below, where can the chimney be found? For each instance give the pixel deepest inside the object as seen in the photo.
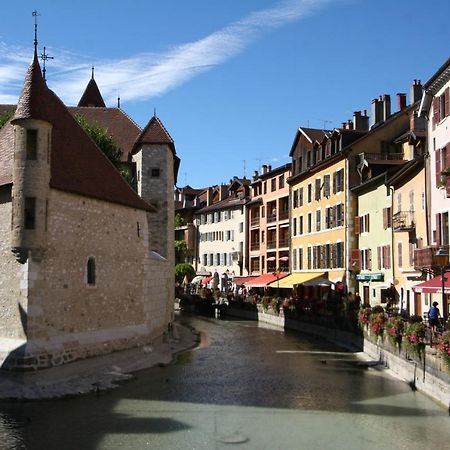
(255, 175)
(360, 121)
(416, 91)
(349, 125)
(417, 123)
(269, 168)
(344, 125)
(264, 169)
(209, 196)
(223, 192)
(401, 102)
(377, 111)
(386, 106)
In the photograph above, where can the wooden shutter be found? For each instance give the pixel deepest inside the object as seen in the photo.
(438, 167)
(355, 259)
(334, 182)
(435, 110)
(446, 169)
(438, 230)
(317, 196)
(366, 223)
(385, 218)
(379, 257)
(446, 101)
(357, 225)
(369, 259)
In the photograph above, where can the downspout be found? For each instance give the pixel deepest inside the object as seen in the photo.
(391, 193)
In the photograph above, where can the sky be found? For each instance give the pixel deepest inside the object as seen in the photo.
(232, 80)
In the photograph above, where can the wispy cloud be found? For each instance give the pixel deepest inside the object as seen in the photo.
(143, 76)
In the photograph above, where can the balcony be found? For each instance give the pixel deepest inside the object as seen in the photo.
(254, 222)
(361, 157)
(403, 221)
(271, 218)
(426, 257)
(284, 215)
(272, 244)
(284, 242)
(254, 246)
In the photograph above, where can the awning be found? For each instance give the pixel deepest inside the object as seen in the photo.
(264, 280)
(239, 281)
(296, 278)
(381, 286)
(433, 286)
(318, 282)
(206, 280)
(197, 279)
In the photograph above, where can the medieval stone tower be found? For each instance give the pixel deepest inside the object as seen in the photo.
(31, 177)
(156, 169)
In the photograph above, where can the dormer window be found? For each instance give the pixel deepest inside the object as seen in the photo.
(31, 148)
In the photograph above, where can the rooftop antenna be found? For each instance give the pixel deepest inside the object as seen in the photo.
(244, 166)
(44, 57)
(325, 123)
(35, 14)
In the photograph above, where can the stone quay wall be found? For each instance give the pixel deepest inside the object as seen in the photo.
(427, 374)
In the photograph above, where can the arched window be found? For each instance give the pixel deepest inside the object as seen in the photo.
(91, 271)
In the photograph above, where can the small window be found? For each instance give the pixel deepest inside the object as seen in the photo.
(91, 271)
(31, 145)
(155, 172)
(30, 213)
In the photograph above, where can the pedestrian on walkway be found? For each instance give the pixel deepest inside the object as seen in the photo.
(433, 318)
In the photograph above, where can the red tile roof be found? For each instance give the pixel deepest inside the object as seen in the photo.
(155, 133)
(91, 96)
(120, 126)
(77, 164)
(6, 153)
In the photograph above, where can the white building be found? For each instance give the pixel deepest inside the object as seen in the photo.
(221, 228)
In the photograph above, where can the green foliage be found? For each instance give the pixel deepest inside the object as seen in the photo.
(6, 116)
(444, 348)
(179, 221)
(183, 269)
(414, 338)
(106, 144)
(180, 250)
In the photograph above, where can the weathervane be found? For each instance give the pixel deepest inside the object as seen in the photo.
(44, 57)
(35, 14)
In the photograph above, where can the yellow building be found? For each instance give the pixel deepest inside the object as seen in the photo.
(319, 200)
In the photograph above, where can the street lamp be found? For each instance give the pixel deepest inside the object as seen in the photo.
(441, 258)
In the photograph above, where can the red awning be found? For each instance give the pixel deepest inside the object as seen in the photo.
(206, 280)
(239, 281)
(433, 286)
(264, 280)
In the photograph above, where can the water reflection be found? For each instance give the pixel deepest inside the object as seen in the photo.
(246, 386)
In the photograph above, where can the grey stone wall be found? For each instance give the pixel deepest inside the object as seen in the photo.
(13, 278)
(69, 319)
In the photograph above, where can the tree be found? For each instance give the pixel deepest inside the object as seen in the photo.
(180, 250)
(182, 270)
(6, 116)
(106, 144)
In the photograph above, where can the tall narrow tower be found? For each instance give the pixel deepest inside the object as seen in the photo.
(31, 171)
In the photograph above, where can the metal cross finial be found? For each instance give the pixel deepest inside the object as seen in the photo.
(44, 57)
(35, 14)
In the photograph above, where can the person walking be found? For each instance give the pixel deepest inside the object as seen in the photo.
(433, 319)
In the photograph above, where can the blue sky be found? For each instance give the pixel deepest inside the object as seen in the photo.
(231, 80)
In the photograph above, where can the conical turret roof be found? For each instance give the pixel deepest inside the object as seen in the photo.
(91, 96)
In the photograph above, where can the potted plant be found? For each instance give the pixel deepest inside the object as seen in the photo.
(395, 327)
(414, 338)
(444, 348)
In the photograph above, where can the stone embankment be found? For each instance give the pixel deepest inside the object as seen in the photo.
(426, 374)
(97, 373)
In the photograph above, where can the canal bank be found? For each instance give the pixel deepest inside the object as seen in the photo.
(97, 373)
(426, 375)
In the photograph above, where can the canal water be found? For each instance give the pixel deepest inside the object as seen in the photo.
(245, 386)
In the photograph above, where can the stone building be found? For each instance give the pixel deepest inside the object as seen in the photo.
(86, 264)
